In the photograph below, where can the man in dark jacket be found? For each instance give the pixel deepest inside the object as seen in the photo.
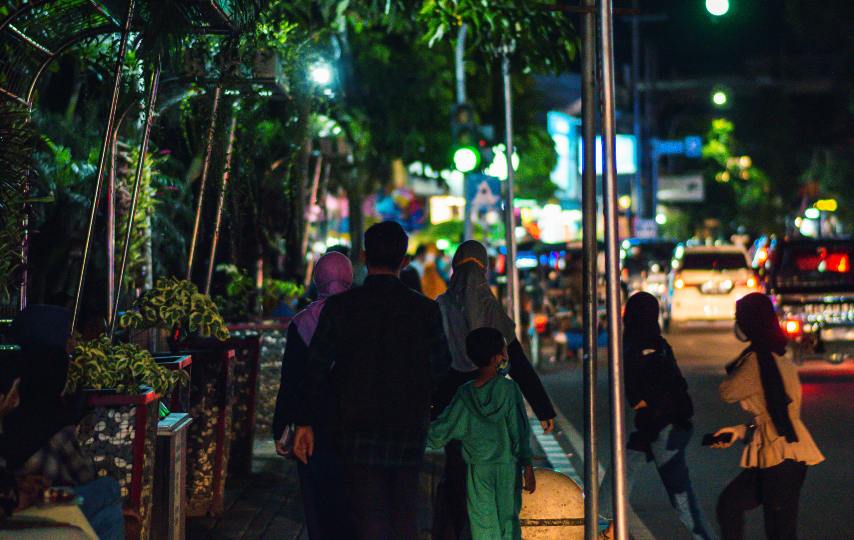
(379, 350)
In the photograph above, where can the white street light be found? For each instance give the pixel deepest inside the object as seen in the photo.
(321, 74)
(717, 7)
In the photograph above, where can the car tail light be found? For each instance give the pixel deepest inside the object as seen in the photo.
(540, 323)
(793, 328)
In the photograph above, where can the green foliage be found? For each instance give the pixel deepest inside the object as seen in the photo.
(145, 210)
(537, 160)
(101, 365)
(15, 165)
(740, 193)
(240, 291)
(832, 169)
(175, 304)
(544, 39)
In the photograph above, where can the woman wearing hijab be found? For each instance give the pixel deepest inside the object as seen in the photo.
(323, 497)
(657, 391)
(778, 447)
(469, 304)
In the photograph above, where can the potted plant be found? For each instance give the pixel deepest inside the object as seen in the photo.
(176, 305)
(120, 429)
(189, 316)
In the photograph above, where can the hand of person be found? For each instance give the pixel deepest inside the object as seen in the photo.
(280, 449)
(640, 405)
(10, 401)
(529, 481)
(548, 425)
(737, 432)
(304, 443)
(30, 490)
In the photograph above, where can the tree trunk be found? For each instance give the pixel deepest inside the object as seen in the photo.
(294, 256)
(356, 221)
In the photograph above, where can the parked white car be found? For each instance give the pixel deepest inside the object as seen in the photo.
(706, 281)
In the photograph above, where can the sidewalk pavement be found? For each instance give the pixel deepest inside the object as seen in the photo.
(266, 504)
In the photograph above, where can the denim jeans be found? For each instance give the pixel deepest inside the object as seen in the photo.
(102, 506)
(668, 453)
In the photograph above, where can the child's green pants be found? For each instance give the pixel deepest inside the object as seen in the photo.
(494, 501)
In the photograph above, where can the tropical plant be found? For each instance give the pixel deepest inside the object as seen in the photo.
(178, 306)
(125, 367)
(240, 291)
(15, 165)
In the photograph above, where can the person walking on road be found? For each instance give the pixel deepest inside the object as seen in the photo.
(658, 393)
(324, 502)
(377, 353)
(488, 417)
(469, 304)
(778, 448)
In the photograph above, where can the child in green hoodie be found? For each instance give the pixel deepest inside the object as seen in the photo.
(488, 416)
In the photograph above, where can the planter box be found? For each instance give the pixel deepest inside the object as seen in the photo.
(209, 441)
(272, 335)
(179, 401)
(120, 432)
(247, 352)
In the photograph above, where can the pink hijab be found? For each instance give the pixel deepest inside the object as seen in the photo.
(332, 275)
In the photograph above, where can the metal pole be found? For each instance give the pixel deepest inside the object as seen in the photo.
(225, 175)
(140, 166)
(612, 274)
(111, 228)
(459, 64)
(206, 164)
(590, 314)
(513, 307)
(637, 189)
(102, 159)
(460, 74)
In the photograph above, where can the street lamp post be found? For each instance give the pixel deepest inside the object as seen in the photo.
(612, 272)
(513, 307)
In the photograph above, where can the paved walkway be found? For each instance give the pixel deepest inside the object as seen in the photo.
(266, 504)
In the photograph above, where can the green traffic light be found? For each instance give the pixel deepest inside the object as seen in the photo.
(466, 159)
(717, 7)
(720, 98)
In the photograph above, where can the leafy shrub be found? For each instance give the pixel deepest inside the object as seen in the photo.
(99, 364)
(176, 304)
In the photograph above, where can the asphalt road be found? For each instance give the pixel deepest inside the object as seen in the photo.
(828, 411)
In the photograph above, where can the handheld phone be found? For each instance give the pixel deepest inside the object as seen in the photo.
(709, 438)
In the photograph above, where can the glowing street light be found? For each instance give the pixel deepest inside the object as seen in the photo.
(720, 98)
(717, 7)
(321, 74)
(812, 213)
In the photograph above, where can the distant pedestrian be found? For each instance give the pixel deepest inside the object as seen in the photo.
(658, 393)
(487, 415)
(377, 353)
(470, 304)
(324, 501)
(778, 448)
(432, 282)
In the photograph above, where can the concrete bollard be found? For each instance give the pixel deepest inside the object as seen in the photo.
(555, 511)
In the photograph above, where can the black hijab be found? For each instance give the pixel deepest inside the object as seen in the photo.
(640, 322)
(755, 315)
